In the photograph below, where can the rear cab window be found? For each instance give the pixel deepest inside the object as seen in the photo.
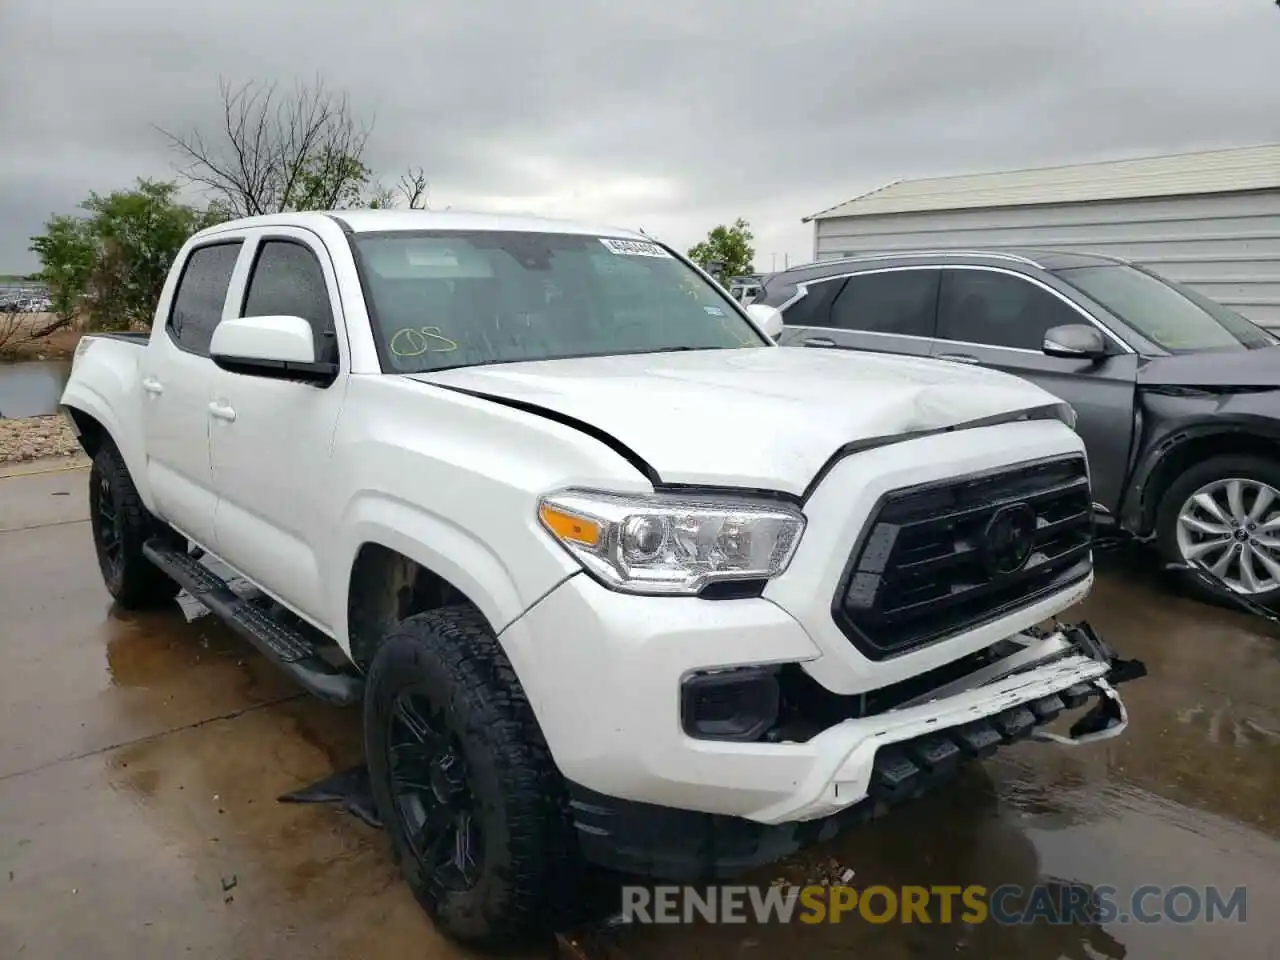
(201, 295)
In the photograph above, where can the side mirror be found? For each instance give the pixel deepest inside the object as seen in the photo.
(280, 348)
(769, 318)
(1075, 341)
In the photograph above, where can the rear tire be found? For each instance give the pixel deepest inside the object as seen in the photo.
(473, 804)
(121, 525)
(1236, 521)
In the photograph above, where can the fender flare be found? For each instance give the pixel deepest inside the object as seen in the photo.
(1139, 507)
(441, 546)
(84, 400)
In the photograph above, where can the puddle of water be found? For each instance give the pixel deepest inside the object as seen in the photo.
(32, 388)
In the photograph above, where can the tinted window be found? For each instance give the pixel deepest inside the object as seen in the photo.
(202, 290)
(895, 301)
(463, 298)
(981, 306)
(814, 308)
(287, 281)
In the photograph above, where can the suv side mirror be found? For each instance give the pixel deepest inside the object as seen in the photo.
(281, 348)
(1075, 341)
(770, 318)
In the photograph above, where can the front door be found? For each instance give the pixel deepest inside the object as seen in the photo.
(271, 442)
(177, 387)
(998, 319)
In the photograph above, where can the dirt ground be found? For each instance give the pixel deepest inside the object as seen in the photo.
(33, 438)
(142, 755)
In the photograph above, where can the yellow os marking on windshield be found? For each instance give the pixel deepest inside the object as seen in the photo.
(414, 343)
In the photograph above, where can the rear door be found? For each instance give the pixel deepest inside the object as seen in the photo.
(177, 388)
(998, 318)
(884, 311)
(271, 440)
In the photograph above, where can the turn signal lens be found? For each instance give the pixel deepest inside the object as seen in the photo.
(569, 527)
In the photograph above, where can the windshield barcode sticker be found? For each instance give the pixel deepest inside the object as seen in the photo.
(634, 248)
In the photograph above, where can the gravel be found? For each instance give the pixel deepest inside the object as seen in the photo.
(30, 438)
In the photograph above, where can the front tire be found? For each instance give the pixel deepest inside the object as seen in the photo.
(472, 802)
(121, 525)
(1225, 514)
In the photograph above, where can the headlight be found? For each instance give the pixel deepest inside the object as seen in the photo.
(671, 544)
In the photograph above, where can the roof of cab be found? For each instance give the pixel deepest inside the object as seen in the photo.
(376, 221)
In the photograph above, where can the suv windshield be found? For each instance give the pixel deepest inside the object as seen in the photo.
(455, 299)
(1168, 314)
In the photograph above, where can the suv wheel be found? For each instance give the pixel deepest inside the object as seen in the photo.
(473, 805)
(1224, 516)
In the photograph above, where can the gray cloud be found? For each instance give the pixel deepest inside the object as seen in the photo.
(668, 115)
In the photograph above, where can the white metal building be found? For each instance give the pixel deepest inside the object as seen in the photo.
(1210, 220)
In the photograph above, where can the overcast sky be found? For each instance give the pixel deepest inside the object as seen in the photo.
(666, 114)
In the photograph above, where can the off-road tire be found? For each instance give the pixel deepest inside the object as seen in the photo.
(133, 580)
(1244, 466)
(530, 874)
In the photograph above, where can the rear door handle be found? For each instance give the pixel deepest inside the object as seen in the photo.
(153, 386)
(957, 358)
(819, 342)
(222, 411)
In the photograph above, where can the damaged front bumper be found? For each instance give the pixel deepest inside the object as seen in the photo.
(862, 767)
(901, 752)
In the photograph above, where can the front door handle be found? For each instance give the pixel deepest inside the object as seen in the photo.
(958, 358)
(222, 411)
(153, 386)
(819, 342)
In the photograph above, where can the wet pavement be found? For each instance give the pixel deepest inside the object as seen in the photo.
(141, 757)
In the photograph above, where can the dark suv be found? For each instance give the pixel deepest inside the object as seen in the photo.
(1177, 397)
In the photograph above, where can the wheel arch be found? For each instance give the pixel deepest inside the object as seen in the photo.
(400, 560)
(93, 424)
(1180, 449)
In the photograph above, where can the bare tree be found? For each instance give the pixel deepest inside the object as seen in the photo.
(414, 188)
(274, 153)
(13, 330)
(411, 190)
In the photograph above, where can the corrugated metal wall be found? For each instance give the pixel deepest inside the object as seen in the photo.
(1225, 245)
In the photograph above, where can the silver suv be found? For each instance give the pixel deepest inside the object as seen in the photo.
(1177, 397)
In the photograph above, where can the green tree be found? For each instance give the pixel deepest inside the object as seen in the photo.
(112, 263)
(66, 250)
(139, 233)
(730, 247)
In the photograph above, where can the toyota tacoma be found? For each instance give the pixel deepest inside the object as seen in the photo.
(617, 580)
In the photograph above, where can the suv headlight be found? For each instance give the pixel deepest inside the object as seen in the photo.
(669, 543)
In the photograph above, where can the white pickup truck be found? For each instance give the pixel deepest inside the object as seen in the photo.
(618, 580)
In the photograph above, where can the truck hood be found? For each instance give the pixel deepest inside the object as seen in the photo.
(1235, 368)
(766, 418)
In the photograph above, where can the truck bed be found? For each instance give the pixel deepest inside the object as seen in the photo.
(128, 336)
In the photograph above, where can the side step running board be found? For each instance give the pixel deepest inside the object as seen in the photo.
(287, 647)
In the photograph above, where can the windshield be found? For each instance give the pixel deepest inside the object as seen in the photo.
(1172, 316)
(454, 299)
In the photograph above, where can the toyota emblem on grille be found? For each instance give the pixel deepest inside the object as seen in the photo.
(1009, 538)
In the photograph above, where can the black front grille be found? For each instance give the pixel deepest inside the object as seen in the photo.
(931, 563)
